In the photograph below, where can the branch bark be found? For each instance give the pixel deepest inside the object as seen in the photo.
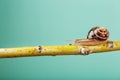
(58, 50)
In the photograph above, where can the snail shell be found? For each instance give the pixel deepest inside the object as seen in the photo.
(98, 33)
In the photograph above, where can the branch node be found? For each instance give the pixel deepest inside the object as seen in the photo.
(85, 51)
(39, 49)
(110, 44)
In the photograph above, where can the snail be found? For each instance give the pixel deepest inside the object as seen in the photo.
(96, 35)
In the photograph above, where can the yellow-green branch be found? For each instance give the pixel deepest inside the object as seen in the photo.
(58, 50)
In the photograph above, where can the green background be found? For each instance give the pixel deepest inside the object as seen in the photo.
(52, 22)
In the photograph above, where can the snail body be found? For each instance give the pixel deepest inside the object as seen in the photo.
(96, 35)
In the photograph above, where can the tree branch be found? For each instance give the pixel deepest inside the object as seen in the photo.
(59, 50)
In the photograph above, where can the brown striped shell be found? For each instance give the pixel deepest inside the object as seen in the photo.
(98, 33)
